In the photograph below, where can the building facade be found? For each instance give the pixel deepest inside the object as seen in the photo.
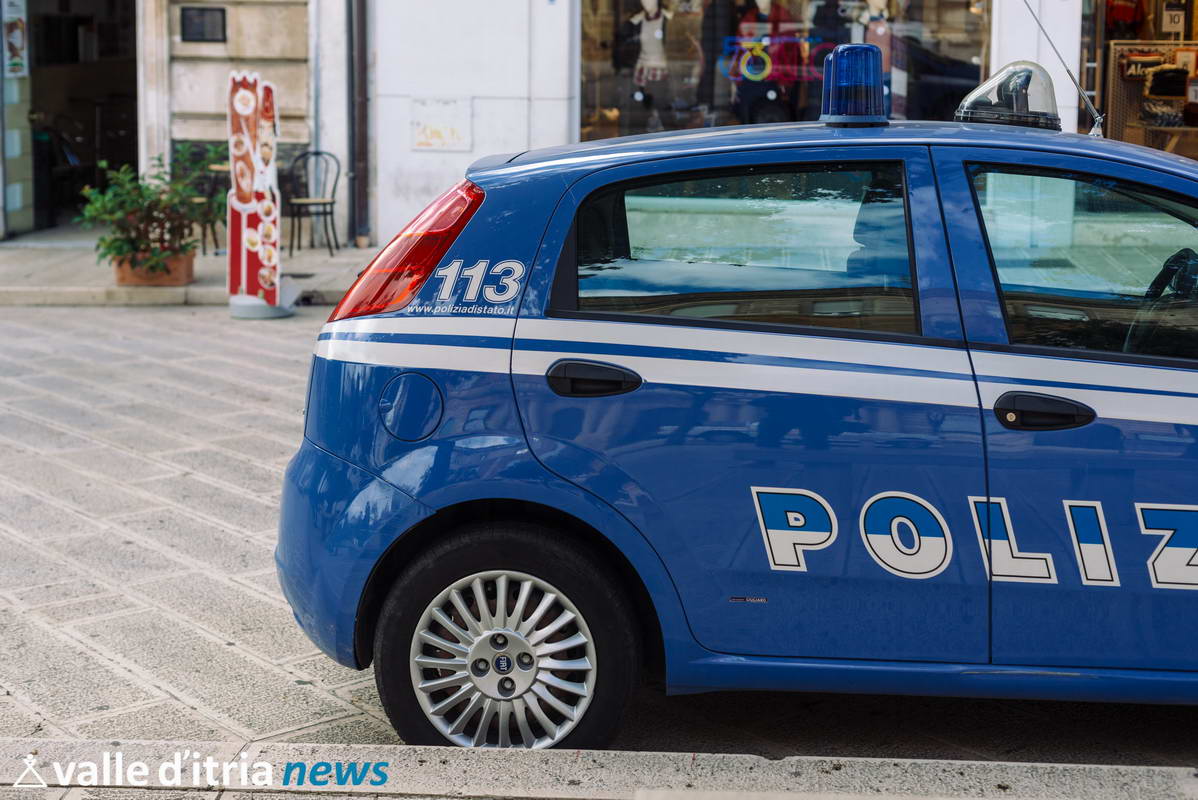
(406, 95)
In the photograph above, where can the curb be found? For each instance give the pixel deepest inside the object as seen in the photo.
(542, 774)
(140, 296)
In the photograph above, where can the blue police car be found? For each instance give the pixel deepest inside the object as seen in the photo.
(851, 406)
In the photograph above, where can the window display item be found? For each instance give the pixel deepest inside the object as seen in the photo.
(1020, 93)
(666, 64)
(1135, 65)
(1164, 96)
(1166, 82)
(1124, 18)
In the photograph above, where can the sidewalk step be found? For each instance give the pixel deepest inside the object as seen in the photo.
(194, 295)
(445, 772)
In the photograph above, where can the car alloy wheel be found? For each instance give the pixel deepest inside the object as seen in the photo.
(503, 659)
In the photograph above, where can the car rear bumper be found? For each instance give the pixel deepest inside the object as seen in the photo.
(336, 522)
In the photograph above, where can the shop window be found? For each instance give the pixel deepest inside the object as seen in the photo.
(1091, 263)
(825, 246)
(203, 24)
(650, 65)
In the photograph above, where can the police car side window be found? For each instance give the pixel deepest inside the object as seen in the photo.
(823, 245)
(1091, 263)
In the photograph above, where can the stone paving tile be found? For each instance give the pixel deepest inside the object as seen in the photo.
(86, 492)
(109, 793)
(10, 449)
(34, 519)
(118, 558)
(142, 439)
(37, 435)
(198, 541)
(197, 403)
(13, 369)
(286, 428)
(104, 375)
(23, 566)
(220, 465)
(56, 674)
(263, 627)
(16, 388)
(200, 381)
(234, 795)
(359, 730)
(260, 448)
(20, 723)
(169, 419)
(93, 354)
(69, 414)
(251, 372)
(8, 793)
(266, 582)
(55, 592)
(83, 609)
(223, 504)
(156, 347)
(166, 721)
(250, 696)
(364, 696)
(328, 672)
(73, 389)
(110, 462)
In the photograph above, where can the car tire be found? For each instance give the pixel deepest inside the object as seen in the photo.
(567, 688)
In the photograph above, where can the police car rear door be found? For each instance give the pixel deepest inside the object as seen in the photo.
(758, 359)
(1079, 279)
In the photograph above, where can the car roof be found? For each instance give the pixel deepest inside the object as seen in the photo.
(587, 156)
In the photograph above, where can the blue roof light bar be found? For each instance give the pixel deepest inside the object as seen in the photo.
(853, 94)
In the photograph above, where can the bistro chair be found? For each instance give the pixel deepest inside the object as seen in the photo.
(313, 194)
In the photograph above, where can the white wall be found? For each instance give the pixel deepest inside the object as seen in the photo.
(328, 54)
(1014, 36)
(515, 62)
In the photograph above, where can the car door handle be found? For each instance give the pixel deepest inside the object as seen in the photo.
(590, 379)
(1029, 411)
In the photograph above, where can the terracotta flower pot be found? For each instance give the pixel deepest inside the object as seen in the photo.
(180, 271)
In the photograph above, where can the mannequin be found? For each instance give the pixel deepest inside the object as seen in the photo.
(651, 71)
(651, 64)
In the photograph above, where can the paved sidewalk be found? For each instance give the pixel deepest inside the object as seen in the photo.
(58, 267)
(388, 771)
(141, 457)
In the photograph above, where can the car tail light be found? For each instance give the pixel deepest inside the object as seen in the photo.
(401, 268)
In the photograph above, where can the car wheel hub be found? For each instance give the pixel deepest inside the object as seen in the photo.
(502, 673)
(503, 659)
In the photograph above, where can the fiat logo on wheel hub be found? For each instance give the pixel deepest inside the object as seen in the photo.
(503, 664)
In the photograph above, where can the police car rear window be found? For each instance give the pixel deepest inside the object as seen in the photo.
(1090, 263)
(823, 245)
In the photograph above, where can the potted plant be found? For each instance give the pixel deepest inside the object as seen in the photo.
(150, 223)
(193, 162)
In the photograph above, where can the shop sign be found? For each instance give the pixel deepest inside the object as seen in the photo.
(16, 39)
(1135, 66)
(254, 269)
(1173, 18)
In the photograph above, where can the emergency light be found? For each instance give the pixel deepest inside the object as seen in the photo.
(1020, 93)
(853, 94)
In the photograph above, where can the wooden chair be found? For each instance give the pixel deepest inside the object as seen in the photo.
(313, 194)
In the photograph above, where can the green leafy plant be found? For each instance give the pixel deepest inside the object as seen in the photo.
(150, 218)
(190, 161)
